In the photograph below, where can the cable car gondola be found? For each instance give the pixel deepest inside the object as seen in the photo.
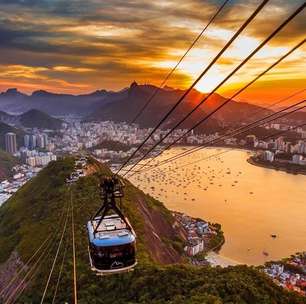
(112, 240)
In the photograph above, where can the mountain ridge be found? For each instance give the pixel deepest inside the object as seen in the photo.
(123, 105)
(125, 109)
(13, 101)
(87, 105)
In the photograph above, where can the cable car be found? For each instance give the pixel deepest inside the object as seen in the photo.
(112, 240)
(74, 176)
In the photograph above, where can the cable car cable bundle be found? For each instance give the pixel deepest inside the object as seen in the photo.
(261, 45)
(235, 132)
(206, 117)
(264, 138)
(238, 131)
(155, 92)
(237, 33)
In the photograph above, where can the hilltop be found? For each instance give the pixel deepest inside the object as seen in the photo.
(38, 119)
(7, 162)
(31, 119)
(35, 212)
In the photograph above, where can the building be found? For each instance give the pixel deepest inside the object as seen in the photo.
(33, 141)
(297, 159)
(251, 140)
(195, 246)
(40, 141)
(46, 140)
(10, 143)
(27, 141)
(268, 156)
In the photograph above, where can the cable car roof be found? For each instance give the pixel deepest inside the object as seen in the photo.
(111, 232)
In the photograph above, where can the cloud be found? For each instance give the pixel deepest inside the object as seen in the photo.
(111, 43)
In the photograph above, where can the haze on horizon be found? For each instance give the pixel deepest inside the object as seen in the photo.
(66, 46)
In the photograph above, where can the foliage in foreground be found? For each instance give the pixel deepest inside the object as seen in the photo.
(7, 161)
(35, 212)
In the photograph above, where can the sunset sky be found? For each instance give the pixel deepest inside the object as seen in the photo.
(77, 46)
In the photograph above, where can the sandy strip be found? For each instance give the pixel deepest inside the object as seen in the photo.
(215, 259)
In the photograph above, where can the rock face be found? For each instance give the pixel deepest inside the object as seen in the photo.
(156, 229)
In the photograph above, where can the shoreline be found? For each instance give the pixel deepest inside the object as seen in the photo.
(214, 258)
(253, 162)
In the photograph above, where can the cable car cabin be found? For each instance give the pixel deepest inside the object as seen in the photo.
(112, 247)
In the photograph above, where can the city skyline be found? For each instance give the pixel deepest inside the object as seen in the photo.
(66, 47)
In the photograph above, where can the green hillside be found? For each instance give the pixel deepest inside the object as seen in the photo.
(37, 211)
(7, 161)
(4, 128)
(38, 119)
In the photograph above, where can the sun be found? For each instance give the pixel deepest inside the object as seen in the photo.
(211, 80)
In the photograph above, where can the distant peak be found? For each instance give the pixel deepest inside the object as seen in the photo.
(40, 93)
(167, 88)
(12, 92)
(33, 111)
(98, 92)
(133, 84)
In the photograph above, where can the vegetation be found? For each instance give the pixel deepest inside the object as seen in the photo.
(218, 240)
(35, 212)
(31, 214)
(38, 119)
(112, 145)
(7, 162)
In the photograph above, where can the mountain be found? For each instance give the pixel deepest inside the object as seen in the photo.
(298, 117)
(36, 214)
(31, 119)
(7, 118)
(125, 109)
(38, 119)
(7, 162)
(125, 104)
(4, 128)
(14, 101)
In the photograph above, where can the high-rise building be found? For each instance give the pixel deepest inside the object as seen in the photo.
(10, 143)
(33, 141)
(40, 141)
(27, 141)
(46, 141)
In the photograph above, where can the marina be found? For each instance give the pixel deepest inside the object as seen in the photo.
(261, 203)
